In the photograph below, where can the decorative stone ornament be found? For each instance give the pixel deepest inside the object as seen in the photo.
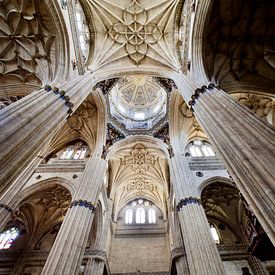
(135, 32)
(186, 201)
(197, 94)
(62, 95)
(83, 203)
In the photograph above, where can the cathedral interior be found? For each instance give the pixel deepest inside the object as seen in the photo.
(137, 137)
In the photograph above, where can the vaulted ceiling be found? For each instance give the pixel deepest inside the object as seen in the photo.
(239, 45)
(134, 33)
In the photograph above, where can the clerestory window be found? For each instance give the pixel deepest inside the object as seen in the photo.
(140, 211)
(200, 148)
(83, 31)
(76, 151)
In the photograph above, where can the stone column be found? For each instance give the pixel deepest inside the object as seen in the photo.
(28, 124)
(178, 253)
(246, 144)
(98, 257)
(69, 247)
(256, 265)
(9, 201)
(202, 254)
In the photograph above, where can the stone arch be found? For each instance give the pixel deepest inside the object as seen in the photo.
(45, 184)
(211, 180)
(222, 203)
(128, 183)
(183, 125)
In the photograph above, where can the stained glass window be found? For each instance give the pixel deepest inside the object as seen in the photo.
(7, 237)
(76, 151)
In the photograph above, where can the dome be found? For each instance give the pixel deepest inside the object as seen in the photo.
(138, 102)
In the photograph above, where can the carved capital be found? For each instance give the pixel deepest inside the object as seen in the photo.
(178, 252)
(197, 94)
(83, 203)
(97, 254)
(6, 207)
(186, 201)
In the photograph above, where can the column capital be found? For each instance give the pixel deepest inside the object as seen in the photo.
(6, 207)
(178, 252)
(197, 93)
(83, 203)
(189, 200)
(97, 254)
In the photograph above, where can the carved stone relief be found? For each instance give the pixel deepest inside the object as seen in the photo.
(132, 31)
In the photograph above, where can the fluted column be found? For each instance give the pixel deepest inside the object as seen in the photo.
(247, 146)
(69, 247)
(28, 124)
(98, 257)
(178, 253)
(202, 254)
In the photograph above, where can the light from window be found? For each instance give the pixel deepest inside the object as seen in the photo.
(77, 151)
(7, 238)
(67, 154)
(129, 216)
(140, 215)
(83, 30)
(152, 215)
(201, 149)
(208, 151)
(214, 233)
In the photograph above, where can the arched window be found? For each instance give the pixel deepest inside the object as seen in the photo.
(152, 215)
(214, 234)
(76, 151)
(7, 237)
(200, 148)
(83, 31)
(140, 215)
(140, 211)
(129, 216)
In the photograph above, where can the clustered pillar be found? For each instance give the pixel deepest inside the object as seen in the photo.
(202, 254)
(98, 257)
(69, 247)
(247, 146)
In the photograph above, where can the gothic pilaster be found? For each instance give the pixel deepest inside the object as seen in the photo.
(247, 146)
(69, 247)
(201, 251)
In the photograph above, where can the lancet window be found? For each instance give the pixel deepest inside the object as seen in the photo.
(7, 237)
(76, 151)
(83, 30)
(140, 212)
(200, 148)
